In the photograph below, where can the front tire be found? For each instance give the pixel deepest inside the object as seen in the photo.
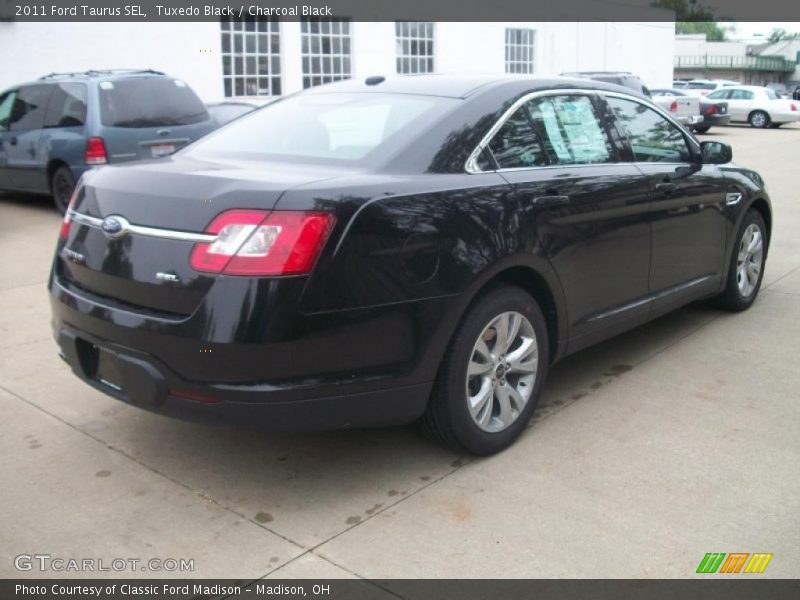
(492, 374)
(62, 184)
(758, 119)
(746, 268)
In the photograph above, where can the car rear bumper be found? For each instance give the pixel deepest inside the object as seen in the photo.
(145, 383)
(143, 361)
(717, 120)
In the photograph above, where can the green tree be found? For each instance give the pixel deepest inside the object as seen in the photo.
(686, 10)
(714, 33)
(779, 35)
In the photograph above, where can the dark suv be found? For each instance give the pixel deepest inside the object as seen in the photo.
(55, 128)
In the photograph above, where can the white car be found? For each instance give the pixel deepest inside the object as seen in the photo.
(686, 109)
(759, 106)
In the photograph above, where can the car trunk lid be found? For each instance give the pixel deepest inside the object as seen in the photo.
(164, 206)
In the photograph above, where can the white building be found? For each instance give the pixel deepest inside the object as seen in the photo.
(230, 59)
(696, 57)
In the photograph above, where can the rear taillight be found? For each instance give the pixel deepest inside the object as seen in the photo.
(263, 243)
(794, 107)
(67, 222)
(95, 152)
(712, 110)
(674, 106)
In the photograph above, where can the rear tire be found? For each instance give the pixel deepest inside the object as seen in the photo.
(746, 268)
(62, 184)
(702, 129)
(487, 390)
(758, 119)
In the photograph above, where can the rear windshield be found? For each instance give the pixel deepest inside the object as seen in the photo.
(335, 127)
(771, 94)
(149, 102)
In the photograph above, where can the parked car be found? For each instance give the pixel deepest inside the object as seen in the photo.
(713, 113)
(796, 93)
(225, 112)
(623, 78)
(706, 86)
(759, 106)
(685, 108)
(56, 128)
(369, 253)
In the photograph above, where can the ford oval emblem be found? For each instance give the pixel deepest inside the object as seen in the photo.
(114, 227)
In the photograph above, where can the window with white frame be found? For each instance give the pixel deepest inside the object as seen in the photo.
(251, 58)
(326, 50)
(414, 42)
(520, 50)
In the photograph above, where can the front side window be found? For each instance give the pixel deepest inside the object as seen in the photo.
(414, 42)
(326, 50)
(572, 132)
(325, 128)
(251, 57)
(28, 109)
(149, 102)
(67, 106)
(651, 137)
(520, 50)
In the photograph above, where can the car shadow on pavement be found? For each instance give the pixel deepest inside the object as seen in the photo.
(309, 487)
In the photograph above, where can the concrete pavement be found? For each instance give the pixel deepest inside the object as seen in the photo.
(673, 440)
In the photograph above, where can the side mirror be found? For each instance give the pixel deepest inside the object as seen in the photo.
(716, 153)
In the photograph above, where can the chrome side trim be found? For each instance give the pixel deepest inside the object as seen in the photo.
(471, 166)
(651, 298)
(168, 234)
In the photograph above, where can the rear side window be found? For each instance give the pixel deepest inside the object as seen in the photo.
(651, 137)
(571, 130)
(67, 106)
(149, 102)
(719, 95)
(516, 145)
(740, 95)
(28, 109)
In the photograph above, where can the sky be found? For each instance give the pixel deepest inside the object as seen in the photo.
(748, 31)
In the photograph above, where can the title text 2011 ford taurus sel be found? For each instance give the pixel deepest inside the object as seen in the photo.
(372, 253)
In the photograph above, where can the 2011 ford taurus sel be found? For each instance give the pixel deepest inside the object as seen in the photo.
(375, 252)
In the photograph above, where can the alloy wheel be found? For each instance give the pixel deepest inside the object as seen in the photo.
(750, 259)
(502, 372)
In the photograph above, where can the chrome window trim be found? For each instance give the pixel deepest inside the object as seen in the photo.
(471, 166)
(168, 234)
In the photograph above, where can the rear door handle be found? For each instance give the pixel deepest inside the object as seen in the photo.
(666, 187)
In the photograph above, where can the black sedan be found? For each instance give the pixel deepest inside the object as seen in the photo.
(375, 252)
(714, 113)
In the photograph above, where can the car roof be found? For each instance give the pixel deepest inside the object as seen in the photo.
(459, 86)
(104, 74)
